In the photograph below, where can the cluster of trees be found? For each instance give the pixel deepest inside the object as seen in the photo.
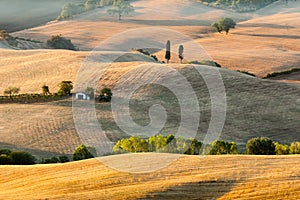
(70, 9)
(224, 24)
(12, 93)
(119, 8)
(238, 5)
(159, 143)
(265, 146)
(8, 157)
(65, 88)
(59, 42)
(170, 144)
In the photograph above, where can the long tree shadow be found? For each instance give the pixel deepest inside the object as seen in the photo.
(266, 25)
(195, 190)
(269, 35)
(185, 22)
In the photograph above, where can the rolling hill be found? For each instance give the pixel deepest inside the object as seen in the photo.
(263, 42)
(189, 177)
(255, 107)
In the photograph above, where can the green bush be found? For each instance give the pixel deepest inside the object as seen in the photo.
(105, 95)
(63, 159)
(59, 42)
(133, 144)
(281, 149)
(5, 160)
(83, 152)
(205, 62)
(5, 151)
(295, 148)
(22, 158)
(90, 5)
(245, 72)
(260, 146)
(51, 160)
(158, 143)
(220, 147)
(71, 9)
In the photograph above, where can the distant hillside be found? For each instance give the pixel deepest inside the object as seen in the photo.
(238, 5)
(263, 41)
(17, 15)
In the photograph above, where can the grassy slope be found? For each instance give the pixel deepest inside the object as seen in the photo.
(213, 177)
(261, 45)
(255, 107)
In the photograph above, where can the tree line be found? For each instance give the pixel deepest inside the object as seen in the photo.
(238, 5)
(170, 144)
(8, 157)
(162, 144)
(119, 8)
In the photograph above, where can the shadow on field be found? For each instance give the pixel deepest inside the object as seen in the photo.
(36, 152)
(266, 25)
(269, 35)
(197, 190)
(170, 22)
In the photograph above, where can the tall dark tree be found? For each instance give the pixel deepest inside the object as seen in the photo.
(180, 53)
(45, 90)
(168, 51)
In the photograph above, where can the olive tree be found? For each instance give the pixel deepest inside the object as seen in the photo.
(65, 88)
(120, 8)
(260, 146)
(11, 91)
(224, 24)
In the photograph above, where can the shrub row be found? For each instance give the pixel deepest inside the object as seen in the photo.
(8, 157)
(238, 5)
(71, 9)
(31, 98)
(274, 74)
(170, 144)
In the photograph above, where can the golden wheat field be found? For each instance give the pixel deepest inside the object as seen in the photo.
(264, 41)
(189, 177)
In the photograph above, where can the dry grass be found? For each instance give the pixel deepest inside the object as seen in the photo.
(190, 177)
(255, 107)
(31, 69)
(263, 42)
(43, 129)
